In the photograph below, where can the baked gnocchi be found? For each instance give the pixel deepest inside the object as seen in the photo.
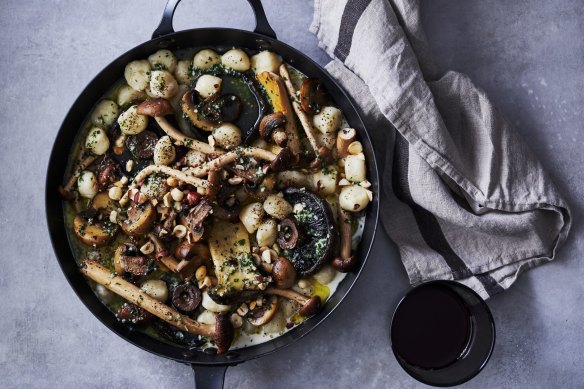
(222, 188)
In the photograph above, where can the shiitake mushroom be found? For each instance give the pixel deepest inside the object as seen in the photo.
(129, 312)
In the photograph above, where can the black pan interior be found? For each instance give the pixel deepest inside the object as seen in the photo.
(207, 37)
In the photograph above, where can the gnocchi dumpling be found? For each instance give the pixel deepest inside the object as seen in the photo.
(127, 95)
(105, 113)
(277, 207)
(181, 73)
(163, 84)
(266, 61)
(163, 60)
(324, 182)
(208, 85)
(87, 184)
(137, 74)
(132, 123)
(206, 58)
(355, 168)
(267, 233)
(227, 136)
(353, 198)
(328, 120)
(251, 216)
(236, 59)
(97, 141)
(164, 152)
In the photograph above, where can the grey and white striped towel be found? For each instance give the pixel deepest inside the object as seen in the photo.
(462, 196)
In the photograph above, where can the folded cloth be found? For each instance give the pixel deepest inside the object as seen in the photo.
(462, 196)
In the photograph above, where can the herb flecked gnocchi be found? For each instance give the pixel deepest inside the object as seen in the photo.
(215, 200)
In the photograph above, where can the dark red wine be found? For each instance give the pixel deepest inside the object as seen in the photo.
(431, 327)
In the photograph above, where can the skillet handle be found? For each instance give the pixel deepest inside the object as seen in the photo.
(262, 25)
(209, 377)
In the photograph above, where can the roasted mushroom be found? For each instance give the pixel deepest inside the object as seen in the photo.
(132, 313)
(92, 232)
(141, 218)
(346, 261)
(283, 273)
(314, 220)
(260, 315)
(221, 108)
(284, 160)
(194, 220)
(313, 95)
(186, 297)
(142, 145)
(309, 305)
(273, 127)
(127, 259)
(190, 102)
(228, 205)
(288, 235)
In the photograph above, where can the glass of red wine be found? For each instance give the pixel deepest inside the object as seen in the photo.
(442, 333)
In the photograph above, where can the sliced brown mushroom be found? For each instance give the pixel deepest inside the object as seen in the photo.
(302, 115)
(283, 273)
(221, 108)
(309, 305)
(127, 259)
(106, 171)
(222, 332)
(102, 203)
(189, 108)
(185, 268)
(228, 205)
(141, 218)
(288, 234)
(346, 261)
(195, 254)
(260, 315)
(283, 161)
(273, 127)
(194, 220)
(142, 145)
(93, 233)
(313, 95)
(132, 313)
(186, 297)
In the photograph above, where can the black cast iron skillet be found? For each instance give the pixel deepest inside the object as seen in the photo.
(209, 369)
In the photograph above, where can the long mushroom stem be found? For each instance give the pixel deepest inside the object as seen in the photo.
(189, 178)
(184, 140)
(84, 164)
(185, 269)
(135, 295)
(346, 261)
(304, 120)
(309, 305)
(345, 137)
(231, 156)
(158, 108)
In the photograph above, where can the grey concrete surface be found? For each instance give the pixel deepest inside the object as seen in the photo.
(528, 55)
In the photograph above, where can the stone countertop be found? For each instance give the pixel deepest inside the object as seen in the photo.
(529, 57)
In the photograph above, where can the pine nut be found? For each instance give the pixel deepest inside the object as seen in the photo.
(115, 193)
(177, 194)
(355, 148)
(179, 231)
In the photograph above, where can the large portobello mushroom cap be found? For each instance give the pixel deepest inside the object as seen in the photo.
(316, 227)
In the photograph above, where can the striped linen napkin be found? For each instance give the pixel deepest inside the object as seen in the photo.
(463, 197)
